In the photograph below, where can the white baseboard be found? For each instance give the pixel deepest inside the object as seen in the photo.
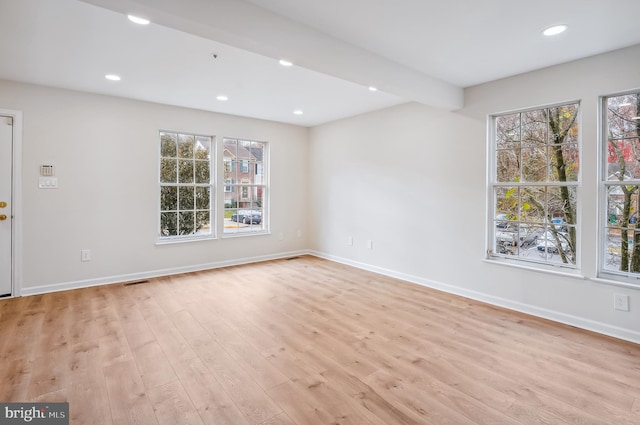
(63, 286)
(556, 316)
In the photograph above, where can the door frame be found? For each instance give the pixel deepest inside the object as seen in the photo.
(16, 202)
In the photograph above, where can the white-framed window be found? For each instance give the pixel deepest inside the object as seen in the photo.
(534, 183)
(620, 193)
(228, 185)
(186, 199)
(245, 164)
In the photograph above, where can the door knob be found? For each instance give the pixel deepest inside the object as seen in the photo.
(3, 204)
(3, 217)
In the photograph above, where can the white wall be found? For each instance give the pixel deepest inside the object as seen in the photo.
(105, 151)
(412, 179)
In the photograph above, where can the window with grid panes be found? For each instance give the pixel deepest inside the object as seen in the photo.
(620, 141)
(535, 182)
(185, 186)
(245, 164)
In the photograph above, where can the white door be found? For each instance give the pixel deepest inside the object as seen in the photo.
(6, 172)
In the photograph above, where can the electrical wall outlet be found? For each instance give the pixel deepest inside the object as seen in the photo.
(370, 244)
(621, 302)
(85, 255)
(349, 240)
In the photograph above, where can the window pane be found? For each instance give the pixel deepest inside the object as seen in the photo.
(562, 203)
(185, 197)
(229, 170)
(244, 150)
(622, 159)
(203, 222)
(168, 170)
(508, 131)
(563, 123)
(534, 164)
(231, 198)
(564, 163)
(169, 224)
(186, 223)
(533, 204)
(202, 171)
(203, 148)
(508, 165)
(257, 197)
(168, 198)
(621, 113)
(258, 177)
(534, 128)
(185, 146)
(202, 198)
(185, 171)
(506, 205)
(168, 145)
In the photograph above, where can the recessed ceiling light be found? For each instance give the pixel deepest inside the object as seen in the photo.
(112, 77)
(285, 62)
(371, 88)
(555, 30)
(138, 20)
(298, 112)
(222, 98)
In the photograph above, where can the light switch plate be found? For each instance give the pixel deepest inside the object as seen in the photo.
(48, 183)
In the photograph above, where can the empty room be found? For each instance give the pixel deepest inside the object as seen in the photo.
(278, 212)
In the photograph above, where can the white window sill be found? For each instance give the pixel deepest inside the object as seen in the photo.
(620, 283)
(557, 271)
(243, 234)
(184, 239)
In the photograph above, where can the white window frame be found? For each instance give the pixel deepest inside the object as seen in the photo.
(492, 184)
(615, 276)
(161, 239)
(239, 186)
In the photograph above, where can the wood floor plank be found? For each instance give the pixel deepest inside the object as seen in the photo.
(250, 359)
(298, 406)
(281, 419)
(127, 397)
(86, 386)
(250, 398)
(173, 406)
(15, 376)
(306, 341)
(49, 372)
(207, 395)
(154, 368)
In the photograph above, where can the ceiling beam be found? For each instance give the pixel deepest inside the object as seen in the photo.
(249, 27)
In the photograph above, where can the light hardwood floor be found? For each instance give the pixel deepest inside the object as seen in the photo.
(306, 341)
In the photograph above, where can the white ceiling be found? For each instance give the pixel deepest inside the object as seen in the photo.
(412, 50)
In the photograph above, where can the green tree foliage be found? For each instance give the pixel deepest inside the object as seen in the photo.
(185, 175)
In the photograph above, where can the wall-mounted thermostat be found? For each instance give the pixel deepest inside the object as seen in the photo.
(47, 179)
(47, 170)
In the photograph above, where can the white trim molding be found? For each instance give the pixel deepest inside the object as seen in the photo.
(16, 202)
(64, 286)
